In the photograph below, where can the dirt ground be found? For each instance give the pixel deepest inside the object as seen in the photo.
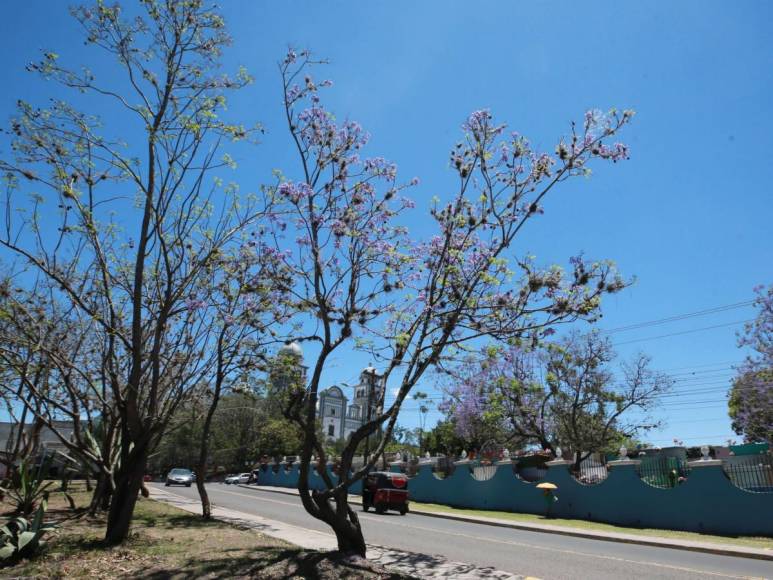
(168, 543)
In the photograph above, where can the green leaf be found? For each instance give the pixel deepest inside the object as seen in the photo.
(38, 521)
(25, 538)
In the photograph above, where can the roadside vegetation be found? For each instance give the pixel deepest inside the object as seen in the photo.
(166, 542)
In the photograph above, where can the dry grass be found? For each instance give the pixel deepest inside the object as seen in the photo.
(167, 542)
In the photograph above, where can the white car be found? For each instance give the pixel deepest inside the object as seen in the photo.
(240, 478)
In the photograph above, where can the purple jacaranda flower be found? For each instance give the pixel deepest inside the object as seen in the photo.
(295, 192)
(194, 303)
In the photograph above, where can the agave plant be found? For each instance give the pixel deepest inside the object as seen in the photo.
(29, 489)
(20, 538)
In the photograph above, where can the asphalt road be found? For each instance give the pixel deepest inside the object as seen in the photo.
(547, 556)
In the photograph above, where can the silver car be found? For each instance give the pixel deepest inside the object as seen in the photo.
(180, 476)
(240, 478)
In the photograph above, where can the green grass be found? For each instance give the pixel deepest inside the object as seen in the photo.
(584, 525)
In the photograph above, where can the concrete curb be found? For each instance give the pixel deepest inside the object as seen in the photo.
(719, 549)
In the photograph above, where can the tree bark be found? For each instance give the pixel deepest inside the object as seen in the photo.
(206, 505)
(201, 466)
(100, 498)
(346, 527)
(127, 486)
(350, 540)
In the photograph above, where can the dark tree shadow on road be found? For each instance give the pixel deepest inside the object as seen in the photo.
(276, 563)
(429, 566)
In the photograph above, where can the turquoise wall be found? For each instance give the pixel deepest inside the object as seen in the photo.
(706, 502)
(289, 478)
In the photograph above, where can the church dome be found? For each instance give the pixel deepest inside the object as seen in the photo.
(291, 349)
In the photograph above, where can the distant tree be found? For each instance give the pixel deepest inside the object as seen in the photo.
(243, 428)
(561, 394)
(243, 297)
(361, 282)
(751, 396)
(403, 439)
(443, 438)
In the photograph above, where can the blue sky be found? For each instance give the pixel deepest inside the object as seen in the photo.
(689, 215)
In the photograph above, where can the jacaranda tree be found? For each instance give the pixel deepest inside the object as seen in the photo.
(561, 394)
(751, 397)
(362, 282)
(126, 217)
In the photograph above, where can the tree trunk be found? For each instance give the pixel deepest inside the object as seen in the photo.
(577, 462)
(127, 487)
(107, 498)
(339, 515)
(350, 539)
(347, 529)
(201, 466)
(100, 499)
(206, 505)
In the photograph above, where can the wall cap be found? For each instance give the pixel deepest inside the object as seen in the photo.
(621, 462)
(704, 463)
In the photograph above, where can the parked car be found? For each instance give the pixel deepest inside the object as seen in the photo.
(238, 478)
(384, 490)
(180, 476)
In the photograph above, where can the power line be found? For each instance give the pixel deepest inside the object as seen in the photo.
(716, 370)
(684, 332)
(706, 420)
(678, 317)
(729, 362)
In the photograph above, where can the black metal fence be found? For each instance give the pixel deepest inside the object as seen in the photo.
(482, 471)
(444, 467)
(663, 472)
(753, 473)
(591, 472)
(530, 471)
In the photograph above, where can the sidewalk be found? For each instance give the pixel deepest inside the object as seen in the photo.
(418, 565)
(676, 544)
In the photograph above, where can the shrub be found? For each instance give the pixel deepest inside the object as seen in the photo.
(28, 489)
(20, 538)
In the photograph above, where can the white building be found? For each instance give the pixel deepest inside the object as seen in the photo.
(339, 417)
